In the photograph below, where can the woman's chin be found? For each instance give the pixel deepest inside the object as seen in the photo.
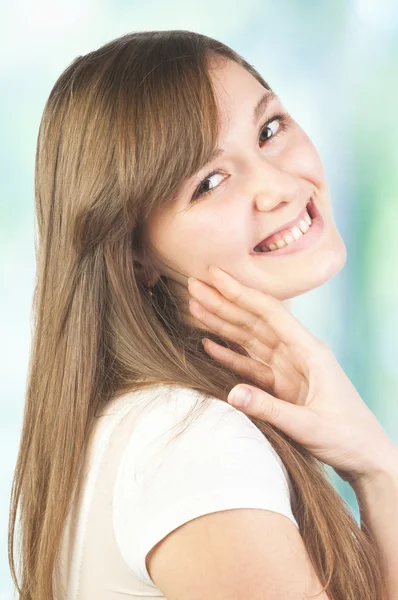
(318, 269)
(326, 265)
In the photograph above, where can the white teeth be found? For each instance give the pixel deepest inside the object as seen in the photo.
(297, 233)
(288, 239)
(304, 226)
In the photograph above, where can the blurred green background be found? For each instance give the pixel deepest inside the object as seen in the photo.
(335, 66)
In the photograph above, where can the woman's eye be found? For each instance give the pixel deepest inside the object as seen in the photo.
(204, 182)
(265, 127)
(281, 119)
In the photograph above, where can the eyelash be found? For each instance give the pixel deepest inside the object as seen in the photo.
(283, 119)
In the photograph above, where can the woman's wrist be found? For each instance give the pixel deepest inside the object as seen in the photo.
(377, 497)
(384, 468)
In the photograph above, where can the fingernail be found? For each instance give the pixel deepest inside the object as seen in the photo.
(191, 279)
(239, 397)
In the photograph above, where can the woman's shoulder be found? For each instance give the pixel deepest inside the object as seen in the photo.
(182, 461)
(180, 428)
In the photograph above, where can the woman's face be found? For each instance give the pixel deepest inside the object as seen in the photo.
(267, 176)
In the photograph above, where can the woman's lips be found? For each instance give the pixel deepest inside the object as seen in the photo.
(272, 237)
(305, 241)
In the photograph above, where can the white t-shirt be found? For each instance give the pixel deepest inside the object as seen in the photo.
(140, 484)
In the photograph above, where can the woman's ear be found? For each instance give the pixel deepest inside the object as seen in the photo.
(145, 274)
(142, 274)
(144, 266)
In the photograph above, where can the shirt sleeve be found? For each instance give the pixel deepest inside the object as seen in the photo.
(221, 461)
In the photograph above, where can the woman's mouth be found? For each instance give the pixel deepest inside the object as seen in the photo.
(302, 235)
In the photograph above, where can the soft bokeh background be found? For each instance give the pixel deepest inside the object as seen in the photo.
(335, 66)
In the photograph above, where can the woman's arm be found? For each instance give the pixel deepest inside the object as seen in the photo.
(378, 504)
(306, 394)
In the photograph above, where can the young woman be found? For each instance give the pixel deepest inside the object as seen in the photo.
(159, 155)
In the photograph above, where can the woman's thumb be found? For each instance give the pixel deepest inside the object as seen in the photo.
(286, 416)
(240, 397)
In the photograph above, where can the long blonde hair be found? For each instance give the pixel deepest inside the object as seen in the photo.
(122, 129)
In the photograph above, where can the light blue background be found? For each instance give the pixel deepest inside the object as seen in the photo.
(335, 66)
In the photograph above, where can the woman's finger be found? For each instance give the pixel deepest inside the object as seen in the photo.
(285, 325)
(233, 333)
(227, 311)
(243, 365)
(298, 422)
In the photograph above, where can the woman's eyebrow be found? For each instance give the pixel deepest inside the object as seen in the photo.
(258, 111)
(262, 104)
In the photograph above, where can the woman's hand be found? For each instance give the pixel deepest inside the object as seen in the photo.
(312, 400)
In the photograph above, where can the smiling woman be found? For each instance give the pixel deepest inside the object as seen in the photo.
(262, 181)
(131, 135)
